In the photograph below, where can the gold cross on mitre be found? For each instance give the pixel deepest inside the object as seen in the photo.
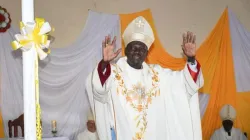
(139, 22)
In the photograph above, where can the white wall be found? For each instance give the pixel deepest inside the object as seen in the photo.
(172, 17)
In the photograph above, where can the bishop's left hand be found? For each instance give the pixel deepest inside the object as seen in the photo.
(188, 44)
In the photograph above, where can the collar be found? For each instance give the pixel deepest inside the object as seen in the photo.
(222, 130)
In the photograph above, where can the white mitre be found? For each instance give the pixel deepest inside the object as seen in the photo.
(228, 113)
(90, 115)
(139, 30)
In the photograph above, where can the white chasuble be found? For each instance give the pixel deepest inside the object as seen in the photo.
(221, 134)
(152, 103)
(87, 135)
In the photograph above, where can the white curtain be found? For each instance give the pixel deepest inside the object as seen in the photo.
(62, 76)
(203, 100)
(240, 38)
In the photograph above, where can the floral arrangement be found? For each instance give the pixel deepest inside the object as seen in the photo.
(4, 20)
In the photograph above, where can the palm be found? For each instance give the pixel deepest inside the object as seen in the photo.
(108, 53)
(108, 49)
(189, 46)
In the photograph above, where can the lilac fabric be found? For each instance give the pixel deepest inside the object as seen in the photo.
(240, 38)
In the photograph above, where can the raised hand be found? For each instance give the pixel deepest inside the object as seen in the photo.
(108, 49)
(188, 44)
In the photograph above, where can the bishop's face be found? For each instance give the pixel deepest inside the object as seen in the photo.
(91, 126)
(227, 124)
(136, 53)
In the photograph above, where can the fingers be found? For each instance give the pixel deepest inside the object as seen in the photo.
(194, 39)
(107, 42)
(184, 37)
(189, 37)
(114, 40)
(103, 44)
(184, 49)
(117, 52)
(108, 39)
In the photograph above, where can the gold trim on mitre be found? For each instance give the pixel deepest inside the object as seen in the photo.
(228, 113)
(139, 30)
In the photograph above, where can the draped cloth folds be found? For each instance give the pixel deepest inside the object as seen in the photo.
(240, 38)
(215, 56)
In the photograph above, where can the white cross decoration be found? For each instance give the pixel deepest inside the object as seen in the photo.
(140, 23)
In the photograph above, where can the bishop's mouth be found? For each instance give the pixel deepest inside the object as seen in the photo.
(136, 56)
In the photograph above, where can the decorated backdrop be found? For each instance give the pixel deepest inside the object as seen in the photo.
(224, 57)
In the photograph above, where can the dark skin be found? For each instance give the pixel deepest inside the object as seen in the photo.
(91, 126)
(137, 51)
(228, 124)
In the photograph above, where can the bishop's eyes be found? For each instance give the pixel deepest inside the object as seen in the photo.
(139, 49)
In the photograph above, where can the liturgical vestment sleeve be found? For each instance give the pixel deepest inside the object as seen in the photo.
(193, 70)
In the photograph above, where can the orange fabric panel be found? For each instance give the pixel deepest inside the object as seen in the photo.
(1, 127)
(215, 56)
(1, 119)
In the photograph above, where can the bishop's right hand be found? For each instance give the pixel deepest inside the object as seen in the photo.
(108, 51)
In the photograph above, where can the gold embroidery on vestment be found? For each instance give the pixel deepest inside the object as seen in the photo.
(139, 99)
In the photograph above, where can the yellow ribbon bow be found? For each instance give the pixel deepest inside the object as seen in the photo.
(33, 35)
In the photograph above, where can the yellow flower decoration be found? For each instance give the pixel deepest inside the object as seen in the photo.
(33, 35)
